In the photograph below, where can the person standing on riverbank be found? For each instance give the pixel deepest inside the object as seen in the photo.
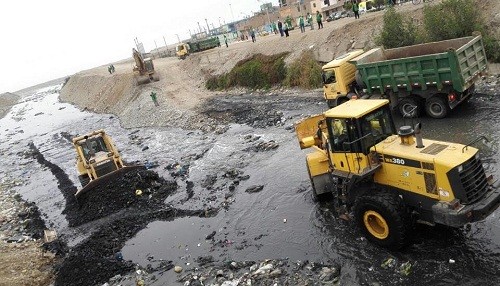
(319, 20)
(301, 24)
(355, 9)
(310, 20)
(280, 27)
(153, 97)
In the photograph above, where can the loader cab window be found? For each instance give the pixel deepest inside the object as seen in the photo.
(93, 146)
(329, 76)
(375, 127)
(343, 133)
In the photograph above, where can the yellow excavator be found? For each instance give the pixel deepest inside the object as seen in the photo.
(144, 68)
(391, 178)
(97, 160)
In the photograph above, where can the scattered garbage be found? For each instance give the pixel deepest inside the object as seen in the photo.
(388, 263)
(254, 189)
(451, 261)
(405, 268)
(211, 235)
(49, 235)
(138, 192)
(177, 269)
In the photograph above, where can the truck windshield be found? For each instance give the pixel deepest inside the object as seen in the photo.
(329, 77)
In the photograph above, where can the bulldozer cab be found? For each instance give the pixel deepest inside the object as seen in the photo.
(93, 146)
(354, 128)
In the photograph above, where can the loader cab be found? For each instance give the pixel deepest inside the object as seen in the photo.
(93, 146)
(354, 128)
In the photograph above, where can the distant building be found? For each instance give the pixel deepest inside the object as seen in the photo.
(331, 6)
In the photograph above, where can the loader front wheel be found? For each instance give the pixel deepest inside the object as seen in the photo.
(84, 180)
(383, 218)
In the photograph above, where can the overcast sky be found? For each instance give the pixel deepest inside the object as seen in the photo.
(47, 39)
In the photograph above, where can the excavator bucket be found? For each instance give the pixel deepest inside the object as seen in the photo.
(106, 178)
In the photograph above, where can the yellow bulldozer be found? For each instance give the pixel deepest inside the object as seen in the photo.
(144, 68)
(97, 160)
(390, 179)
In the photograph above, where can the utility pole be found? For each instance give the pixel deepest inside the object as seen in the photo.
(199, 26)
(164, 41)
(208, 27)
(231, 8)
(178, 39)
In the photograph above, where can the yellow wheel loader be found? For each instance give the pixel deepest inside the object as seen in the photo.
(391, 178)
(97, 160)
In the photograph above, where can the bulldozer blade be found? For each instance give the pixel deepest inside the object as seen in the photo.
(106, 178)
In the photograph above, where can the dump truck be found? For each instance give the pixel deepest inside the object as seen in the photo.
(144, 68)
(182, 50)
(97, 160)
(391, 179)
(435, 77)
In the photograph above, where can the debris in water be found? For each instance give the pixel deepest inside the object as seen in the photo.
(388, 263)
(254, 189)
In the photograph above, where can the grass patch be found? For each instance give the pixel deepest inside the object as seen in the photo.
(259, 71)
(305, 72)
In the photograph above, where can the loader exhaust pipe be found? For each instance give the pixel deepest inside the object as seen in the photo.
(418, 135)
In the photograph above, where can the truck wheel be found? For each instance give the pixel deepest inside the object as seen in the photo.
(436, 107)
(331, 103)
(409, 107)
(84, 180)
(383, 219)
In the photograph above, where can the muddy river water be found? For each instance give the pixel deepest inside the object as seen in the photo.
(282, 221)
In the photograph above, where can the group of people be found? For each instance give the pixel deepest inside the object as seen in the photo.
(111, 69)
(283, 28)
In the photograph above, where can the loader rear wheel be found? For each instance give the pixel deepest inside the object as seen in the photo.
(383, 218)
(84, 180)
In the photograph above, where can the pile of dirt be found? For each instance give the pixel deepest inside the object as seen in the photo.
(137, 190)
(7, 100)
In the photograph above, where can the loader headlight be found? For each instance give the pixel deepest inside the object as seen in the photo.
(110, 154)
(460, 168)
(92, 161)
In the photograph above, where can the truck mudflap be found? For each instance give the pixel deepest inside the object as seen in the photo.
(443, 214)
(103, 179)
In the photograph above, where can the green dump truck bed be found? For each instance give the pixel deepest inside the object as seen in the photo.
(457, 63)
(204, 44)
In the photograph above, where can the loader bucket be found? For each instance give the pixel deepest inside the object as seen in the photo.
(106, 178)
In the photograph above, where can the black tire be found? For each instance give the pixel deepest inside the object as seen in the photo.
(436, 107)
(410, 107)
(383, 218)
(331, 103)
(84, 180)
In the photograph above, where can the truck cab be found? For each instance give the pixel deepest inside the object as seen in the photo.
(182, 51)
(339, 78)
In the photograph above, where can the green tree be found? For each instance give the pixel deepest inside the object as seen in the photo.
(451, 19)
(396, 31)
(459, 18)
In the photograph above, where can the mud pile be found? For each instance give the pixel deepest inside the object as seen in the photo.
(98, 258)
(258, 111)
(135, 191)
